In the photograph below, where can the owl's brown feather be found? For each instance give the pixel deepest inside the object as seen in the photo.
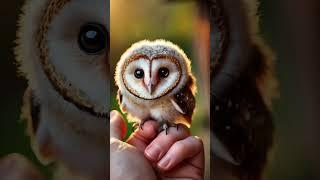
(242, 87)
(186, 101)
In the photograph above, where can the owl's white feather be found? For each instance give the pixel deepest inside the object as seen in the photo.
(142, 102)
(176, 106)
(65, 133)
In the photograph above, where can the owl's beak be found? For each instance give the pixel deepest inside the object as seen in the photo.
(151, 84)
(151, 88)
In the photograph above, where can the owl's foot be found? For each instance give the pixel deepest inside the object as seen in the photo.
(166, 125)
(137, 125)
(163, 126)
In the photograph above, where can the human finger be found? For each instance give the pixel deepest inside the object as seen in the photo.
(162, 143)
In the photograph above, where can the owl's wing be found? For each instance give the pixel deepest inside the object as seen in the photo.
(184, 102)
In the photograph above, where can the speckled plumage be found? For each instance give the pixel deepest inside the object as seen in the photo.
(243, 86)
(172, 99)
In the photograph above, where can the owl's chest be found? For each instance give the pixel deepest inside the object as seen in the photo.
(159, 109)
(156, 107)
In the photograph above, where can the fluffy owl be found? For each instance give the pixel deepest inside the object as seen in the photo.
(243, 86)
(62, 50)
(156, 83)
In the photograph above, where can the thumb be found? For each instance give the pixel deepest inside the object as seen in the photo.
(143, 136)
(117, 125)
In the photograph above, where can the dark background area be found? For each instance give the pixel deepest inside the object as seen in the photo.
(13, 137)
(289, 26)
(12, 87)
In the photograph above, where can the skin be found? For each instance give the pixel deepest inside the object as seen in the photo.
(145, 155)
(149, 155)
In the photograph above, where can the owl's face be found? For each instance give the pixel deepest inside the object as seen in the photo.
(63, 45)
(150, 70)
(62, 49)
(151, 78)
(77, 42)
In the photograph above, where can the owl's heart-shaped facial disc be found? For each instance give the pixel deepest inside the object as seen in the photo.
(151, 78)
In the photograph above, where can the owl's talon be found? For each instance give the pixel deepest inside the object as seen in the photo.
(141, 125)
(165, 127)
(135, 126)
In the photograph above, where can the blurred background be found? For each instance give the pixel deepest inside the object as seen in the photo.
(291, 27)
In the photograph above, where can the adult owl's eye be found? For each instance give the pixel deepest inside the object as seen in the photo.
(138, 73)
(163, 72)
(93, 38)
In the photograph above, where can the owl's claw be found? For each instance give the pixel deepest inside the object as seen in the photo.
(167, 125)
(164, 127)
(135, 126)
(141, 125)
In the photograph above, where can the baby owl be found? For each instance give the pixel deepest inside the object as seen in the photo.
(62, 50)
(156, 83)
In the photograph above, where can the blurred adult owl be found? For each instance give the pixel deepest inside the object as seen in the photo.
(62, 50)
(243, 87)
(156, 83)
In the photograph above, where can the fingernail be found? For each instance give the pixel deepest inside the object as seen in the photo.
(164, 162)
(153, 152)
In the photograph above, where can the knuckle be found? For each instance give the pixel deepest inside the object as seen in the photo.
(179, 147)
(198, 140)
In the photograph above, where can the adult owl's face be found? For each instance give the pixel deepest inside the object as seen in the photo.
(76, 44)
(151, 78)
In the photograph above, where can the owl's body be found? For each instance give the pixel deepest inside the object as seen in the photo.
(66, 103)
(243, 86)
(155, 83)
(161, 110)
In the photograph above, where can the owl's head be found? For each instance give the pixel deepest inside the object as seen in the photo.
(65, 43)
(152, 69)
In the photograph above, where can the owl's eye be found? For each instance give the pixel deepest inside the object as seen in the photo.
(138, 73)
(163, 72)
(93, 38)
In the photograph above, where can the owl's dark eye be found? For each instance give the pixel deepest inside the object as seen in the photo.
(93, 38)
(163, 72)
(138, 73)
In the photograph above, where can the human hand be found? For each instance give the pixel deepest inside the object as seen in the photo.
(126, 161)
(176, 155)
